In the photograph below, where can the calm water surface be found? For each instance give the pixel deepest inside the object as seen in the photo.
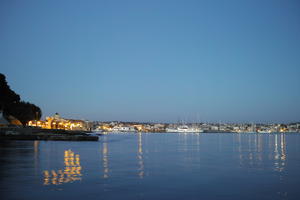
(154, 166)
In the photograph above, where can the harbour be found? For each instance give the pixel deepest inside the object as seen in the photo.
(149, 100)
(154, 166)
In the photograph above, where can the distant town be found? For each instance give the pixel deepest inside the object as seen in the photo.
(57, 122)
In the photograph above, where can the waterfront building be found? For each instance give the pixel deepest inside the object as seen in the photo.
(214, 128)
(138, 127)
(57, 122)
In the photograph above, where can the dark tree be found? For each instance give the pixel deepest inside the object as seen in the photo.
(7, 96)
(24, 111)
(11, 105)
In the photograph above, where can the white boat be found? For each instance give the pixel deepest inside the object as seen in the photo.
(171, 130)
(264, 131)
(97, 130)
(123, 129)
(184, 129)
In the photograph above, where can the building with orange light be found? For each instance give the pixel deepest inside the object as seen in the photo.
(57, 122)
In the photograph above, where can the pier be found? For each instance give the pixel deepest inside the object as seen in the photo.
(17, 133)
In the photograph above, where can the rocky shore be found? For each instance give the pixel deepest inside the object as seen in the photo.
(28, 133)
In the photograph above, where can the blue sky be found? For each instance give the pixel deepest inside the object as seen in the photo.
(209, 61)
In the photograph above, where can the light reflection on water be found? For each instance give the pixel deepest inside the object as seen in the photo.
(192, 166)
(252, 154)
(252, 157)
(140, 156)
(105, 156)
(105, 159)
(70, 173)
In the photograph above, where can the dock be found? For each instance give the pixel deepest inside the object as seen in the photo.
(29, 133)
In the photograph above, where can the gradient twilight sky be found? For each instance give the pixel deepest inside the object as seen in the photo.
(156, 60)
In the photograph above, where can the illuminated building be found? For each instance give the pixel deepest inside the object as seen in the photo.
(57, 122)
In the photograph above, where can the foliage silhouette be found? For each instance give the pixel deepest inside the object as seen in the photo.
(11, 104)
(7, 96)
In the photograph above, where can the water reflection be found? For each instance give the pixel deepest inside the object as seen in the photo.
(255, 149)
(140, 156)
(280, 150)
(105, 159)
(238, 166)
(70, 173)
(36, 145)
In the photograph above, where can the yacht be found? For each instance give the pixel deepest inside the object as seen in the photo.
(123, 129)
(184, 129)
